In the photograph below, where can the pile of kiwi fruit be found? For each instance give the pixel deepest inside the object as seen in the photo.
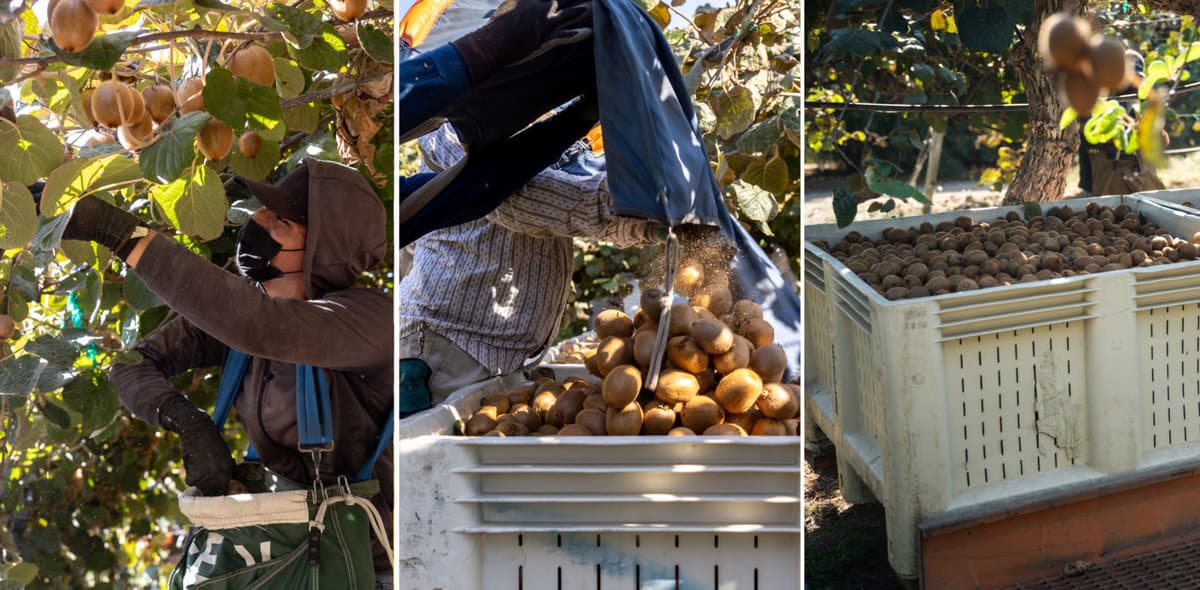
(117, 104)
(958, 256)
(721, 375)
(1087, 64)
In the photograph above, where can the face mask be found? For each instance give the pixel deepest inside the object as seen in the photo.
(254, 251)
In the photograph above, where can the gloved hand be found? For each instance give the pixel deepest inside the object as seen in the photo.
(206, 457)
(518, 29)
(94, 220)
(414, 387)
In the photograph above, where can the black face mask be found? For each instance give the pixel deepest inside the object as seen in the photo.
(254, 251)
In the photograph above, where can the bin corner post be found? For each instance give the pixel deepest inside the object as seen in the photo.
(1113, 408)
(916, 454)
(847, 405)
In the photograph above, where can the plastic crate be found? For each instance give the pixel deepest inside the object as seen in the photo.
(593, 512)
(950, 401)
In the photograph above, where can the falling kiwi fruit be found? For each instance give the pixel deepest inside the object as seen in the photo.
(701, 413)
(613, 322)
(215, 139)
(253, 63)
(348, 10)
(250, 143)
(688, 278)
(190, 96)
(717, 300)
(770, 362)
(1063, 40)
(622, 386)
(777, 401)
(725, 430)
(612, 353)
(745, 310)
(713, 336)
(1081, 92)
(702, 313)
(73, 25)
(593, 420)
(676, 386)
(686, 354)
(1109, 68)
(652, 304)
(626, 421)
(739, 390)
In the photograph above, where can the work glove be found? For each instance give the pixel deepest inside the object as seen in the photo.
(94, 220)
(414, 387)
(520, 29)
(206, 457)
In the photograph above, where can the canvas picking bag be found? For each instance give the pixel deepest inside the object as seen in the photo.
(281, 534)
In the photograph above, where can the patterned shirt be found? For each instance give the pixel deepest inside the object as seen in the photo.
(496, 287)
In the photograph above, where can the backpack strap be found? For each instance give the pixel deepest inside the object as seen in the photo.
(385, 437)
(231, 381)
(314, 416)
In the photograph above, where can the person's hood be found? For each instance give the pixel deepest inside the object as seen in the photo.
(347, 227)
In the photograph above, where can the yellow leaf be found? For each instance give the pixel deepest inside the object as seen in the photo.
(937, 20)
(951, 27)
(661, 15)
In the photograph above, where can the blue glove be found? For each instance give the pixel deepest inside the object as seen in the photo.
(414, 387)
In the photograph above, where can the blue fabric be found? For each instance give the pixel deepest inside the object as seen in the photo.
(429, 83)
(658, 167)
(386, 435)
(231, 383)
(313, 419)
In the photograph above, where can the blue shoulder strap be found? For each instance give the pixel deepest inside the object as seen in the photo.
(385, 437)
(231, 382)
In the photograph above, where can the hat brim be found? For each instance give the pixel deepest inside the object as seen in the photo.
(279, 201)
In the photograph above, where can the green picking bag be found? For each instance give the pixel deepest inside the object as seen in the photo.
(284, 537)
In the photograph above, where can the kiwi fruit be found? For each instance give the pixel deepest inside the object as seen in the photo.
(73, 25)
(521, 395)
(793, 426)
(511, 427)
(702, 313)
(490, 411)
(527, 416)
(138, 111)
(686, 354)
(658, 419)
(546, 430)
(253, 63)
(744, 310)
(1081, 92)
(85, 97)
(135, 136)
(769, 361)
(589, 363)
(621, 386)
(759, 332)
(682, 317)
(105, 7)
(778, 401)
(769, 427)
(688, 278)
(724, 430)
(111, 102)
(595, 401)
(215, 139)
(706, 378)
(479, 424)
(652, 304)
(681, 431)
(190, 95)
(574, 430)
(159, 101)
(1107, 57)
(712, 336)
(7, 326)
(746, 419)
(348, 10)
(626, 421)
(718, 300)
(593, 420)
(643, 348)
(542, 402)
(613, 322)
(250, 143)
(499, 401)
(676, 386)
(1063, 41)
(738, 390)
(565, 408)
(702, 412)
(612, 353)
(738, 357)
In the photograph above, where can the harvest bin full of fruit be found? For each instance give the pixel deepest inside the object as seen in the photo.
(967, 357)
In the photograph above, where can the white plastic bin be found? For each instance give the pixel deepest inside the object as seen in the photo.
(950, 401)
(593, 513)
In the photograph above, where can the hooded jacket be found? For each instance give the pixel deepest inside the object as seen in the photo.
(344, 329)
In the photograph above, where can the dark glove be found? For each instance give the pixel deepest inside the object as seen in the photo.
(205, 455)
(94, 220)
(414, 387)
(518, 29)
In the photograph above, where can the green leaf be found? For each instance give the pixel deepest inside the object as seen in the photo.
(845, 207)
(56, 415)
(289, 80)
(754, 203)
(195, 203)
(302, 118)
(900, 189)
(137, 294)
(986, 28)
(888, 206)
(55, 351)
(18, 376)
(101, 54)
(92, 395)
(298, 27)
(10, 46)
(856, 42)
(165, 159)
(1069, 115)
(326, 53)
(240, 103)
(1031, 209)
(213, 5)
(89, 253)
(1157, 72)
(18, 216)
(735, 110)
(375, 42)
(775, 176)
(30, 150)
(758, 139)
(258, 167)
(24, 573)
(81, 177)
(922, 72)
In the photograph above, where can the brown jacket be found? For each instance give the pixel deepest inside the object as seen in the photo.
(343, 329)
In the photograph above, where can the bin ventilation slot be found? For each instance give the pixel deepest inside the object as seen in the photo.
(1173, 285)
(814, 268)
(984, 316)
(1017, 403)
(1170, 364)
(849, 301)
(819, 333)
(869, 377)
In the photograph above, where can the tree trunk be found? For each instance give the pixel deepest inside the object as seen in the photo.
(1049, 151)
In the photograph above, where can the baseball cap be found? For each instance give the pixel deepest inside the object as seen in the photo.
(287, 198)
